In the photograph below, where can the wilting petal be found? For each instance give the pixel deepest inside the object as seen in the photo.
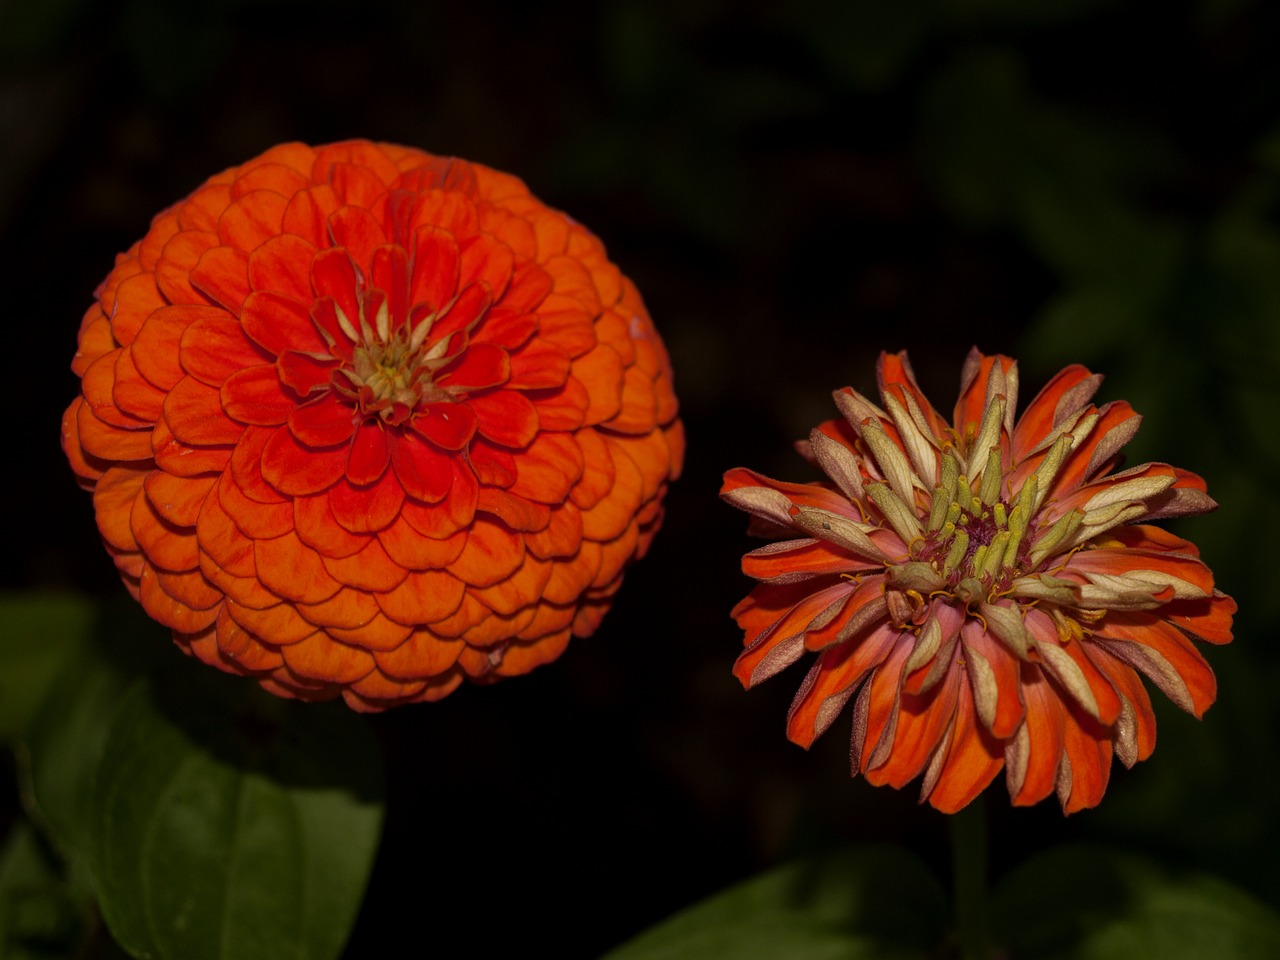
(984, 586)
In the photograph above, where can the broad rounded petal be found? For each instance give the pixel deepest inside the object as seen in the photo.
(296, 470)
(278, 323)
(505, 417)
(256, 396)
(366, 509)
(194, 412)
(424, 596)
(492, 552)
(425, 472)
(323, 422)
(423, 655)
(290, 568)
(448, 425)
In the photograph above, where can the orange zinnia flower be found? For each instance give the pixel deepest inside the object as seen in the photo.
(983, 586)
(360, 420)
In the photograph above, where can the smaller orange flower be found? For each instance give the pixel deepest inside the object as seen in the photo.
(983, 589)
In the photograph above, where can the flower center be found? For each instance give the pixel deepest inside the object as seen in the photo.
(391, 370)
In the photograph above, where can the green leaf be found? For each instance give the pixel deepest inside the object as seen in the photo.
(1091, 903)
(868, 901)
(60, 751)
(39, 919)
(38, 634)
(228, 823)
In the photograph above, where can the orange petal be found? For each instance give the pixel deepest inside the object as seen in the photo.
(492, 552)
(370, 569)
(415, 551)
(422, 597)
(380, 633)
(346, 609)
(177, 499)
(290, 568)
(318, 657)
(317, 527)
(423, 654)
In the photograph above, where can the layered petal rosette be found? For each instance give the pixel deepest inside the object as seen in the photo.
(360, 420)
(988, 592)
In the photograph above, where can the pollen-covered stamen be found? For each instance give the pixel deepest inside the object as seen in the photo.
(973, 538)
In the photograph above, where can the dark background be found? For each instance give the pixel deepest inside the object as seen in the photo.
(1064, 180)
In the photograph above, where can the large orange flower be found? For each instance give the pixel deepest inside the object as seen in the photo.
(360, 420)
(983, 587)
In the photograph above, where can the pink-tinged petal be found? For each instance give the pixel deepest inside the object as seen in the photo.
(213, 348)
(1068, 391)
(1163, 654)
(448, 425)
(781, 642)
(279, 324)
(788, 561)
(836, 675)
(222, 274)
(973, 760)
(919, 729)
(425, 472)
(305, 373)
(1208, 619)
(333, 275)
(973, 388)
(481, 365)
(996, 676)
(505, 417)
(1087, 762)
(370, 453)
(369, 508)
(896, 378)
(1187, 574)
(434, 270)
(296, 470)
(282, 266)
(356, 229)
(194, 413)
(1116, 425)
(323, 422)
(256, 396)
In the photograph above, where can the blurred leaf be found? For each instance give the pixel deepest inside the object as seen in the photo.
(229, 823)
(863, 902)
(864, 45)
(38, 635)
(60, 752)
(1091, 903)
(39, 920)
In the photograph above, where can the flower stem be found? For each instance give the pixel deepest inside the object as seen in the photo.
(969, 879)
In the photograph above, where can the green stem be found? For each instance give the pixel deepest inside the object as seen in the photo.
(969, 878)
